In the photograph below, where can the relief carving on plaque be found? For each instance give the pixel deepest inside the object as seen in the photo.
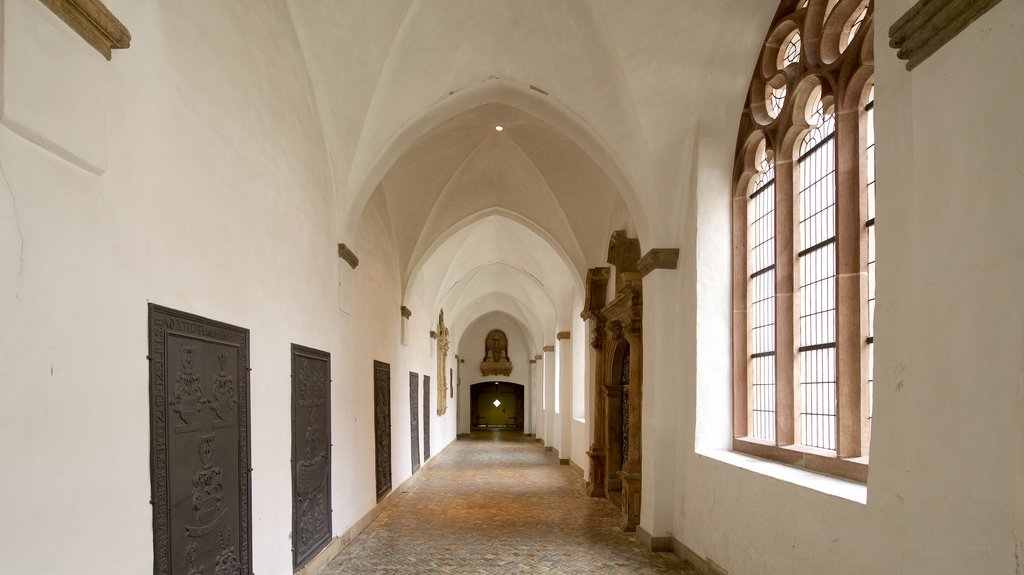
(496, 361)
(311, 455)
(199, 422)
(426, 417)
(414, 420)
(382, 426)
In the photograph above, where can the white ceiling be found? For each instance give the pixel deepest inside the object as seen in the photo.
(604, 102)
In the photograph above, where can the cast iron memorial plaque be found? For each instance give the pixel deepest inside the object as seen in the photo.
(311, 452)
(199, 445)
(382, 426)
(414, 420)
(426, 417)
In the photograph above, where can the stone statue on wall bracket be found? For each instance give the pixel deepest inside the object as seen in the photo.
(496, 360)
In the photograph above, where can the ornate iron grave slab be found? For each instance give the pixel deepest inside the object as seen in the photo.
(311, 452)
(414, 420)
(382, 426)
(199, 450)
(426, 417)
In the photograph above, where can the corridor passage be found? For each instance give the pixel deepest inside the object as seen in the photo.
(498, 503)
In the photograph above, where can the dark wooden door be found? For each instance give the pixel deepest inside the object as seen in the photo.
(199, 431)
(414, 420)
(311, 452)
(426, 417)
(382, 426)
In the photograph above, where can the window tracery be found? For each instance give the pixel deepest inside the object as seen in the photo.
(805, 287)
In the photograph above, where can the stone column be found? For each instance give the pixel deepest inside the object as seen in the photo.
(596, 487)
(549, 396)
(631, 469)
(538, 396)
(565, 368)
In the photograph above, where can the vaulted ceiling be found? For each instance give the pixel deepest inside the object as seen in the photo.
(603, 104)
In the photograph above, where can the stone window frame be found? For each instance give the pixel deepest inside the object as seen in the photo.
(843, 68)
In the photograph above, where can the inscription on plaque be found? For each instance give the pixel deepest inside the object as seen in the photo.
(199, 445)
(311, 452)
(414, 420)
(382, 426)
(426, 417)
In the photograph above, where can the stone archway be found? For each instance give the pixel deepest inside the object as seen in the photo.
(617, 327)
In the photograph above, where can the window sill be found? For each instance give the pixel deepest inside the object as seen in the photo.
(809, 458)
(844, 488)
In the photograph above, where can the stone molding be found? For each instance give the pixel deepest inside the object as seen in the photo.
(562, 335)
(406, 312)
(346, 254)
(930, 24)
(548, 348)
(91, 20)
(658, 259)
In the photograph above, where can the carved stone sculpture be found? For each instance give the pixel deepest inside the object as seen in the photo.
(442, 365)
(496, 361)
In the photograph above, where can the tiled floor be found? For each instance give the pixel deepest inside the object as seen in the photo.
(497, 503)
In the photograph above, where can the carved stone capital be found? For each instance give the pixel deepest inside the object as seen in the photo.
(549, 348)
(562, 335)
(406, 312)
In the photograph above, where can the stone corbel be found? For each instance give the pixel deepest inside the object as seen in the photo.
(930, 24)
(91, 20)
(346, 254)
(658, 259)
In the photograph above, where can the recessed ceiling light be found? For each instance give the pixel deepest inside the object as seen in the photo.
(499, 127)
(496, 403)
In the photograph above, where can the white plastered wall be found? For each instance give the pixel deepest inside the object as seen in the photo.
(944, 490)
(472, 348)
(196, 178)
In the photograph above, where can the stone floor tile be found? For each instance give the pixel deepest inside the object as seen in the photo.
(498, 503)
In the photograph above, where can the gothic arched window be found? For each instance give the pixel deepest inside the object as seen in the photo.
(804, 237)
